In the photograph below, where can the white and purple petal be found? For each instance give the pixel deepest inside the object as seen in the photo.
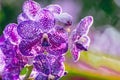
(79, 44)
(60, 31)
(58, 67)
(63, 19)
(45, 19)
(13, 69)
(75, 53)
(58, 44)
(84, 25)
(11, 72)
(10, 33)
(42, 64)
(31, 8)
(22, 17)
(41, 76)
(59, 51)
(28, 30)
(20, 60)
(73, 49)
(25, 47)
(8, 76)
(56, 9)
(8, 49)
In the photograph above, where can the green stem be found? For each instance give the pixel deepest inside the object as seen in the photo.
(30, 68)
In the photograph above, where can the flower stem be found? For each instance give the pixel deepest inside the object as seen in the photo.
(30, 68)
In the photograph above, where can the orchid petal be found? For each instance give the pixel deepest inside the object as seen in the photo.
(28, 30)
(63, 19)
(58, 43)
(10, 32)
(58, 67)
(25, 48)
(8, 49)
(42, 64)
(84, 25)
(31, 8)
(75, 53)
(22, 17)
(45, 19)
(41, 76)
(55, 8)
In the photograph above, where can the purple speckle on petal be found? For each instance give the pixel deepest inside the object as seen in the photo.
(55, 8)
(31, 8)
(28, 30)
(10, 32)
(45, 19)
(75, 53)
(84, 25)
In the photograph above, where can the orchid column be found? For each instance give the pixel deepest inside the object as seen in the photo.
(40, 39)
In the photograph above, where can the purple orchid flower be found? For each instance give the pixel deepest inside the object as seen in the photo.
(41, 39)
(79, 39)
(40, 30)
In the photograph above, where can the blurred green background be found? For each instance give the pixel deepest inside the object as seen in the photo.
(102, 61)
(103, 11)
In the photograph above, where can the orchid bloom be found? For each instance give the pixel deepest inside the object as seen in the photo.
(40, 38)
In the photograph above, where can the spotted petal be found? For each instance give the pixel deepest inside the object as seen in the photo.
(45, 18)
(79, 44)
(58, 67)
(10, 72)
(28, 30)
(75, 53)
(84, 25)
(58, 43)
(42, 64)
(8, 49)
(20, 60)
(8, 76)
(41, 76)
(10, 32)
(55, 8)
(31, 8)
(25, 47)
(13, 69)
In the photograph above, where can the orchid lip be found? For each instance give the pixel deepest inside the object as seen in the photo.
(45, 40)
(80, 46)
(45, 43)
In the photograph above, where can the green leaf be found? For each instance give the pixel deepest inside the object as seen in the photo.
(29, 70)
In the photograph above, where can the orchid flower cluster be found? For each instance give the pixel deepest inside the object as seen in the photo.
(40, 38)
